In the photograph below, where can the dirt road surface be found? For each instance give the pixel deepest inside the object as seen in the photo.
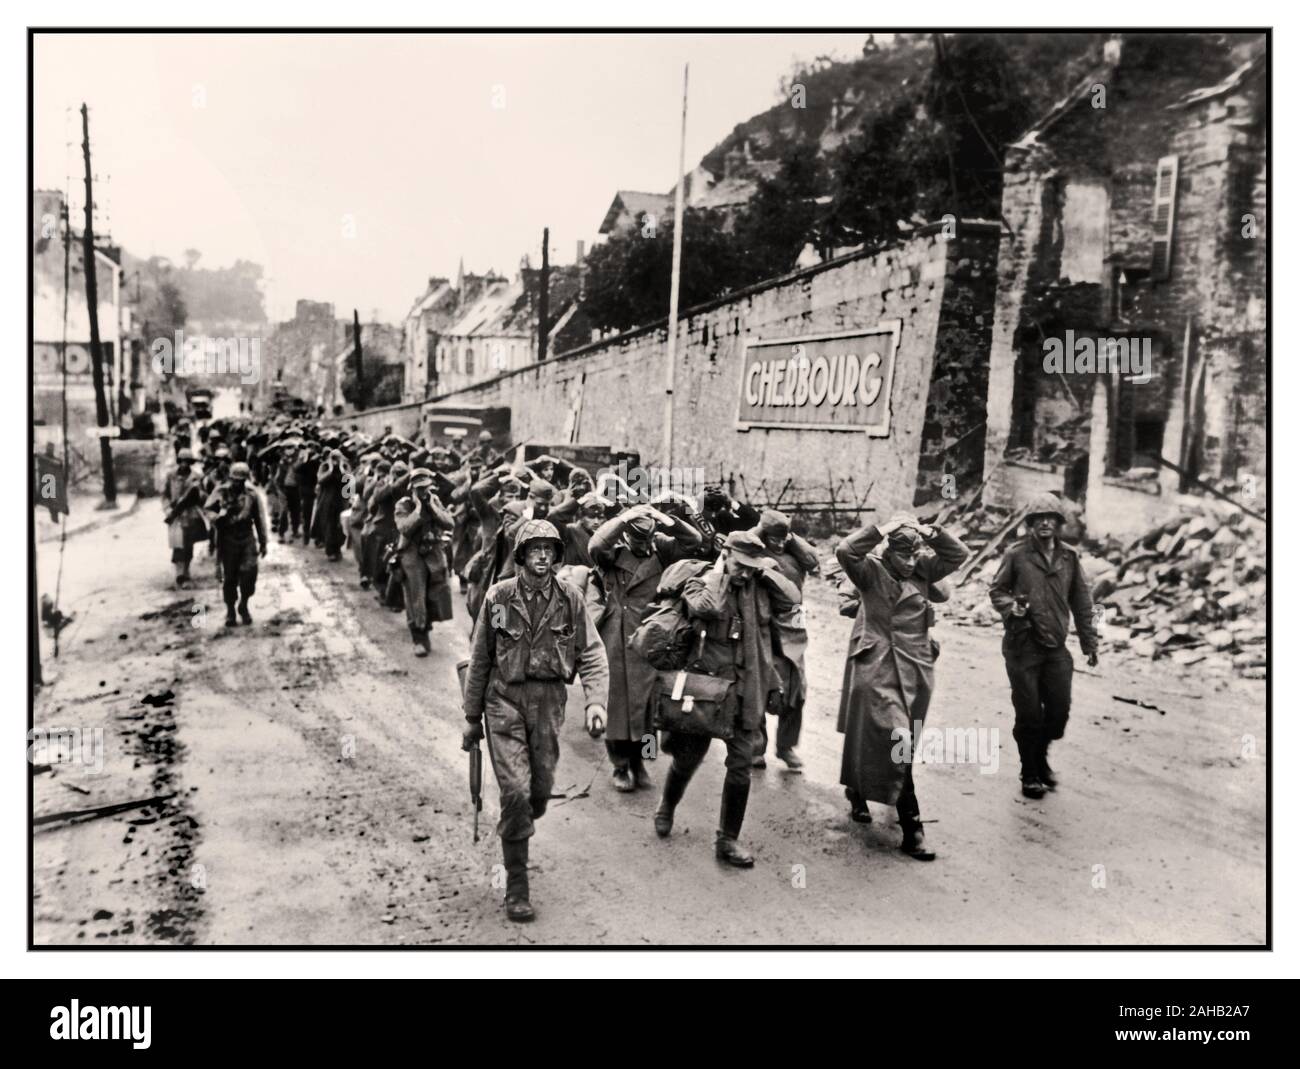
(309, 789)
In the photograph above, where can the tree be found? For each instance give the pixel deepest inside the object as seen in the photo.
(628, 277)
(936, 149)
(783, 215)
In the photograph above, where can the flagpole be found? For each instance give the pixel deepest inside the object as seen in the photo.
(674, 294)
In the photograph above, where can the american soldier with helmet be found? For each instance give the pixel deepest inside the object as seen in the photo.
(533, 636)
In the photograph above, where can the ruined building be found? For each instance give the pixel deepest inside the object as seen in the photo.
(1129, 357)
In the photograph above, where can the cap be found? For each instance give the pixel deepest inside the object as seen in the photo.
(641, 526)
(592, 502)
(773, 523)
(906, 538)
(540, 488)
(421, 477)
(747, 548)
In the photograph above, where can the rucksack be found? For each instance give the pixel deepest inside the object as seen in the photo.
(665, 635)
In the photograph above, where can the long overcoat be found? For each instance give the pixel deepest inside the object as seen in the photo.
(630, 584)
(889, 673)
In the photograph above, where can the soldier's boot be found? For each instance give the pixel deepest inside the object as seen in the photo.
(640, 774)
(244, 614)
(230, 616)
(674, 787)
(515, 854)
(419, 642)
(735, 797)
(1031, 782)
(914, 842)
(1045, 773)
(623, 779)
(858, 810)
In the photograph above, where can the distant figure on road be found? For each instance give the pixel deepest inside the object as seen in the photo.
(331, 481)
(183, 500)
(236, 510)
(533, 636)
(889, 675)
(1038, 585)
(421, 519)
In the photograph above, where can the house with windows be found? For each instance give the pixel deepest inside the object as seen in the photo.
(488, 324)
(61, 353)
(1128, 366)
(422, 331)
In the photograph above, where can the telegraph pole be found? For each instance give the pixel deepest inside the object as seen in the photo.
(96, 350)
(670, 373)
(356, 342)
(544, 296)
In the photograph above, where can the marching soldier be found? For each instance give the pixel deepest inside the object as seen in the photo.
(241, 538)
(796, 560)
(1039, 584)
(533, 635)
(631, 552)
(889, 672)
(421, 519)
(733, 603)
(183, 499)
(331, 482)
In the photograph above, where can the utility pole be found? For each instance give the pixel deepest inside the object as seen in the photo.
(96, 350)
(544, 296)
(670, 373)
(356, 342)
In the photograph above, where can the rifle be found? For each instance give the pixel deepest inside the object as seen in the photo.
(475, 758)
(181, 504)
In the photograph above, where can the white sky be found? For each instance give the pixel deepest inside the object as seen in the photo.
(259, 146)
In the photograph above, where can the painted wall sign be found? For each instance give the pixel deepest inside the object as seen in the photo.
(838, 382)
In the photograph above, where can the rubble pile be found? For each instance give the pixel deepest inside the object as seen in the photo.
(1192, 590)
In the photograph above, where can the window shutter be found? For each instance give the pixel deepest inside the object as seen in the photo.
(1162, 244)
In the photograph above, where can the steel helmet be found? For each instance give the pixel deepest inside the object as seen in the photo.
(239, 470)
(1045, 503)
(536, 531)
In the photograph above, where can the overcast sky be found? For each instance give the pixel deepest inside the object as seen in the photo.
(275, 148)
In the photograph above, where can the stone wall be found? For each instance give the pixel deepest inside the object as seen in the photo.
(940, 286)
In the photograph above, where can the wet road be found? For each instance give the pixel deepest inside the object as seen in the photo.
(320, 794)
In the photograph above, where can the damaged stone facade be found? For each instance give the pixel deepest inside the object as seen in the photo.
(1084, 268)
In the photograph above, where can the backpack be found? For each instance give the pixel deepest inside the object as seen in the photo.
(665, 635)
